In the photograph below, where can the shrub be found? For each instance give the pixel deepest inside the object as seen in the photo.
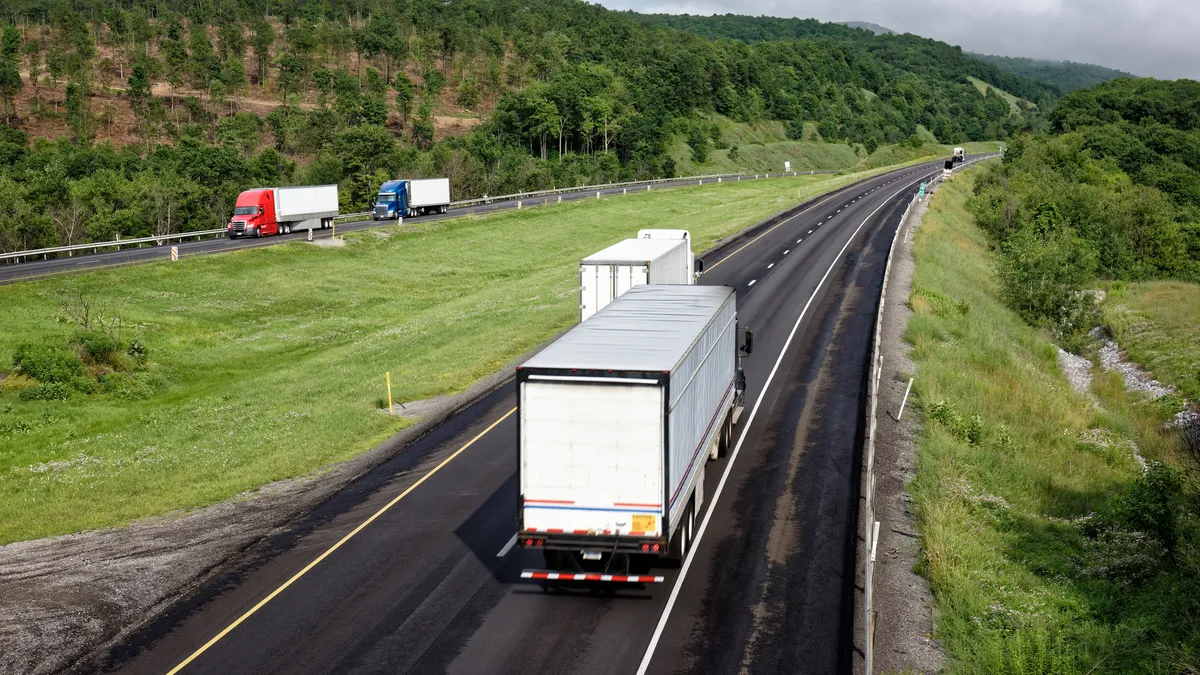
(51, 391)
(47, 363)
(1042, 272)
(795, 130)
(1152, 504)
(137, 349)
(100, 346)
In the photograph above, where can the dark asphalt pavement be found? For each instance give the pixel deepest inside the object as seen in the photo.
(431, 585)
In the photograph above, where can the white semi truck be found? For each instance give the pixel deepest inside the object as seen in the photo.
(605, 275)
(960, 155)
(616, 420)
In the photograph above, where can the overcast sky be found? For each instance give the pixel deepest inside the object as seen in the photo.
(1158, 38)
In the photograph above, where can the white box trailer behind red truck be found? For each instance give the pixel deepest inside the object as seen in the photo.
(616, 420)
(266, 211)
(605, 275)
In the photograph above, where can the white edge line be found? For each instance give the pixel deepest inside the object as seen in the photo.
(712, 503)
(507, 547)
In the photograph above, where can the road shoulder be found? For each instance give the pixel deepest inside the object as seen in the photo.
(905, 610)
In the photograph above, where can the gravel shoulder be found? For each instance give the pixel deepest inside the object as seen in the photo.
(904, 604)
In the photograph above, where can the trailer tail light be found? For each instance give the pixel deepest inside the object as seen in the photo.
(529, 542)
(654, 548)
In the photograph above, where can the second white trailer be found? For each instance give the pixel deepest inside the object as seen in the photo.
(605, 275)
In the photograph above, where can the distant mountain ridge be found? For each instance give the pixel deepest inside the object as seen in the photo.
(1066, 76)
(867, 25)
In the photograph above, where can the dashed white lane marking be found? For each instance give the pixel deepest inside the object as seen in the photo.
(507, 547)
(801, 239)
(787, 251)
(770, 266)
(753, 281)
(810, 231)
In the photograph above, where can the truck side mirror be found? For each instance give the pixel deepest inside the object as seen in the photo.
(748, 343)
(699, 267)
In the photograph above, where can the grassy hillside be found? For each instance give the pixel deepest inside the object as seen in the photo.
(1013, 101)
(1047, 547)
(269, 363)
(763, 147)
(1158, 324)
(1066, 76)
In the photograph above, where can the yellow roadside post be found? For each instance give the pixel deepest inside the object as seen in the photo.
(388, 377)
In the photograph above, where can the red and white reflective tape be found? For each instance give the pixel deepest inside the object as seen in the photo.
(591, 576)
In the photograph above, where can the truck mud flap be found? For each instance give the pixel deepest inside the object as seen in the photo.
(546, 575)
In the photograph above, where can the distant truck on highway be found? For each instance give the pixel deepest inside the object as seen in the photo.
(267, 211)
(411, 197)
(960, 155)
(655, 257)
(616, 420)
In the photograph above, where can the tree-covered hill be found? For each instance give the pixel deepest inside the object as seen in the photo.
(204, 98)
(1066, 76)
(936, 61)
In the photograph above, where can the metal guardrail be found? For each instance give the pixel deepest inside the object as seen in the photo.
(158, 240)
(96, 246)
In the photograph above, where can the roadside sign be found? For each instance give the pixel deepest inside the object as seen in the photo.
(174, 253)
(310, 234)
(921, 194)
(787, 166)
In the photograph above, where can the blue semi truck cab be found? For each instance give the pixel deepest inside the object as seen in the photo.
(405, 198)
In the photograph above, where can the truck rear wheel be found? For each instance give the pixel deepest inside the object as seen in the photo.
(726, 439)
(682, 544)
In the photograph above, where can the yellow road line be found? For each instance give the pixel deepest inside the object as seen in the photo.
(335, 547)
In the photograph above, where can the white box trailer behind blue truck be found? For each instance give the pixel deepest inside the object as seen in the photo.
(411, 197)
(605, 275)
(616, 420)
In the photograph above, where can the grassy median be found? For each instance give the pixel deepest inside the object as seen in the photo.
(1048, 548)
(269, 363)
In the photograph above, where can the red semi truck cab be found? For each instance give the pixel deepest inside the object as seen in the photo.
(254, 214)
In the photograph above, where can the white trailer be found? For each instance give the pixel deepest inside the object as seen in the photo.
(605, 275)
(960, 155)
(429, 192)
(616, 420)
(294, 206)
(674, 234)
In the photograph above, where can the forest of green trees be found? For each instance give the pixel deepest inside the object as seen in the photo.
(1112, 193)
(1065, 76)
(224, 95)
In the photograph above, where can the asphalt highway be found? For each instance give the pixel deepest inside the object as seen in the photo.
(33, 269)
(411, 569)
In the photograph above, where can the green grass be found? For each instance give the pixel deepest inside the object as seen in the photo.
(1158, 324)
(1012, 100)
(763, 147)
(1011, 465)
(270, 362)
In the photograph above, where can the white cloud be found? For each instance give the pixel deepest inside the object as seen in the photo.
(1147, 37)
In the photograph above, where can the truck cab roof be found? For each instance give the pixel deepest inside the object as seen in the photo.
(391, 185)
(252, 197)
